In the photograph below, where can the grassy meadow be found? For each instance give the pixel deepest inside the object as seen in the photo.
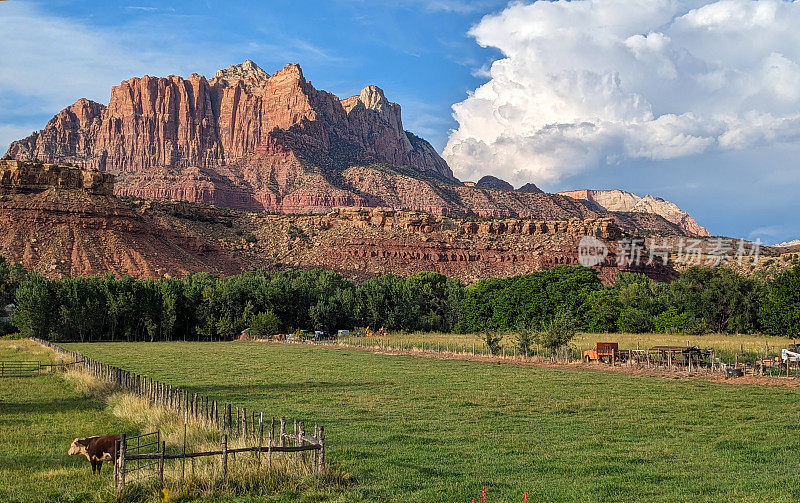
(428, 430)
(39, 418)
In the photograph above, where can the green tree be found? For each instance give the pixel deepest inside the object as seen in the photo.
(634, 321)
(36, 304)
(493, 341)
(524, 340)
(602, 311)
(558, 332)
(264, 325)
(779, 312)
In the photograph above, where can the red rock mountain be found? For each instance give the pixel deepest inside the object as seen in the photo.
(245, 139)
(254, 141)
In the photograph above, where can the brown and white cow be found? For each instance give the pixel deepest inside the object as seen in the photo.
(96, 450)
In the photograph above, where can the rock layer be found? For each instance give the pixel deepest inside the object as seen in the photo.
(621, 201)
(58, 224)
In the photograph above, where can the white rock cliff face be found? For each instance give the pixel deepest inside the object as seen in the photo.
(620, 200)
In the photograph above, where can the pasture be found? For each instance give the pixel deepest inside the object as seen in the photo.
(39, 418)
(415, 429)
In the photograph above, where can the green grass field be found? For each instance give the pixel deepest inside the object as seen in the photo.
(39, 418)
(414, 429)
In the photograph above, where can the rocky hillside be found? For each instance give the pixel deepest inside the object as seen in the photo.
(244, 139)
(63, 221)
(250, 140)
(621, 201)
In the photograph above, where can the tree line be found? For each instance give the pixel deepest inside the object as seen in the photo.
(208, 308)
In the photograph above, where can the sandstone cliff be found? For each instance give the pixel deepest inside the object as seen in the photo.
(621, 201)
(30, 177)
(266, 136)
(249, 140)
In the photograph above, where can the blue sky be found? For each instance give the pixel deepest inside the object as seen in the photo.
(601, 95)
(418, 52)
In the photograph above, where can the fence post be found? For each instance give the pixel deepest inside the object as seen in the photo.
(315, 457)
(122, 449)
(260, 437)
(161, 463)
(301, 441)
(321, 439)
(116, 464)
(244, 424)
(283, 431)
(224, 457)
(271, 443)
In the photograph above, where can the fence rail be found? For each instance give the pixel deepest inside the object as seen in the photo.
(133, 465)
(19, 368)
(232, 421)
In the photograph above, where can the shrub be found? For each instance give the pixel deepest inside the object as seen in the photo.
(524, 340)
(559, 332)
(264, 325)
(670, 322)
(492, 341)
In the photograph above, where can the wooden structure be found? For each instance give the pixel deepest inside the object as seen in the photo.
(19, 368)
(681, 356)
(30, 368)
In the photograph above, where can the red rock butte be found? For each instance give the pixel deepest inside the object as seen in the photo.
(245, 139)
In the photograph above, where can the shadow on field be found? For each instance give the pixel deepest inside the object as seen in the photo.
(50, 406)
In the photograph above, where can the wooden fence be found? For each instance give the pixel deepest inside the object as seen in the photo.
(232, 421)
(19, 368)
(133, 463)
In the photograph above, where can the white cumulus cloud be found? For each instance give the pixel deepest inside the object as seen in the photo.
(584, 83)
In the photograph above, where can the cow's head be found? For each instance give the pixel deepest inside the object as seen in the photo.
(78, 446)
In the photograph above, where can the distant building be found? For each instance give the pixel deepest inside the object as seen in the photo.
(7, 313)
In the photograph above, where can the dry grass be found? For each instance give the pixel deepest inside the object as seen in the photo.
(26, 349)
(87, 385)
(721, 342)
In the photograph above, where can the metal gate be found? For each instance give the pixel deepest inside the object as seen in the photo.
(19, 368)
(136, 470)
